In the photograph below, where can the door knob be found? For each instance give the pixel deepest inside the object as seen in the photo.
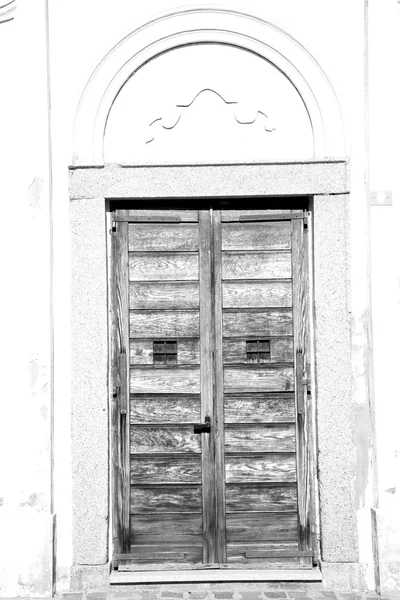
(202, 427)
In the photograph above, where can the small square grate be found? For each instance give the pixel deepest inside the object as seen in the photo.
(165, 353)
(258, 351)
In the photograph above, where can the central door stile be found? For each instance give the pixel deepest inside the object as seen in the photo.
(207, 386)
(219, 428)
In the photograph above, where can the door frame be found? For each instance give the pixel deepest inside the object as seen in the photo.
(326, 183)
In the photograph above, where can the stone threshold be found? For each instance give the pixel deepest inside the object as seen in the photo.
(211, 575)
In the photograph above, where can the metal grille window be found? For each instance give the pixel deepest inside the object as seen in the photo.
(165, 353)
(258, 351)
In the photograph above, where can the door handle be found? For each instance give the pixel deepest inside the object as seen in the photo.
(202, 427)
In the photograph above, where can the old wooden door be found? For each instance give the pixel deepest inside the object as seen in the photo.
(211, 415)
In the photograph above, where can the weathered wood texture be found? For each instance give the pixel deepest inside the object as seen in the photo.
(159, 324)
(260, 438)
(170, 237)
(141, 352)
(166, 528)
(242, 498)
(241, 527)
(260, 468)
(120, 383)
(263, 378)
(163, 439)
(163, 267)
(176, 499)
(235, 351)
(259, 408)
(256, 236)
(165, 409)
(163, 295)
(167, 380)
(262, 323)
(165, 469)
(256, 265)
(235, 214)
(186, 216)
(255, 294)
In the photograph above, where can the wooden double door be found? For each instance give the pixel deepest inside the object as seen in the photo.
(211, 405)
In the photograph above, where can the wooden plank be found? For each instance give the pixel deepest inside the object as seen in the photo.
(165, 469)
(166, 528)
(120, 400)
(277, 498)
(241, 527)
(141, 352)
(159, 556)
(281, 350)
(163, 295)
(206, 381)
(160, 324)
(163, 237)
(219, 429)
(270, 322)
(256, 236)
(171, 499)
(303, 424)
(260, 438)
(266, 378)
(235, 214)
(178, 266)
(164, 439)
(165, 409)
(257, 294)
(260, 468)
(259, 408)
(256, 265)
(167, 380)
(185, 215)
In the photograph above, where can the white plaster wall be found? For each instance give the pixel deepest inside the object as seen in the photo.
(384, 155)
(26, 519)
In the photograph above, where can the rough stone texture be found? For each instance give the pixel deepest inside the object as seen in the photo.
(218, 180)
(342, 576)
(89, 420)
(90, 577)
(335, 407)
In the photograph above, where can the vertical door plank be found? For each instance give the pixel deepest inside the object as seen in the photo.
(219, 436)
(300, 330)
(120, 376)
(206, 386)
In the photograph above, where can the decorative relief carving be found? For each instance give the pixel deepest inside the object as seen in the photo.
(247, 115)
(7, 10)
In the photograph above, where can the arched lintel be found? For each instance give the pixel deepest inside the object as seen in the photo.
(196, 26)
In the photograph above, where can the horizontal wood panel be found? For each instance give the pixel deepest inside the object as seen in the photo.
(235, 351)
(261, 526)
(160, 324)
(155, 267)
(259, 408)
(168, 380)
(163, 295)
(237, 552)
(163, 439)
(166, 528)
(257, 265)
(165, 409)
(165, 499)
(187, 216)
(141, 556)
(260, 438)
(272, 235)
(165, 469)
(253, 294)
(160, 236)
(266, 379)
(260, 468)
(234, 215)
(242, 498)
(141, 352)
(273, 322)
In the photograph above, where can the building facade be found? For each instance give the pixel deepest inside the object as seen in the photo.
(209, 292)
